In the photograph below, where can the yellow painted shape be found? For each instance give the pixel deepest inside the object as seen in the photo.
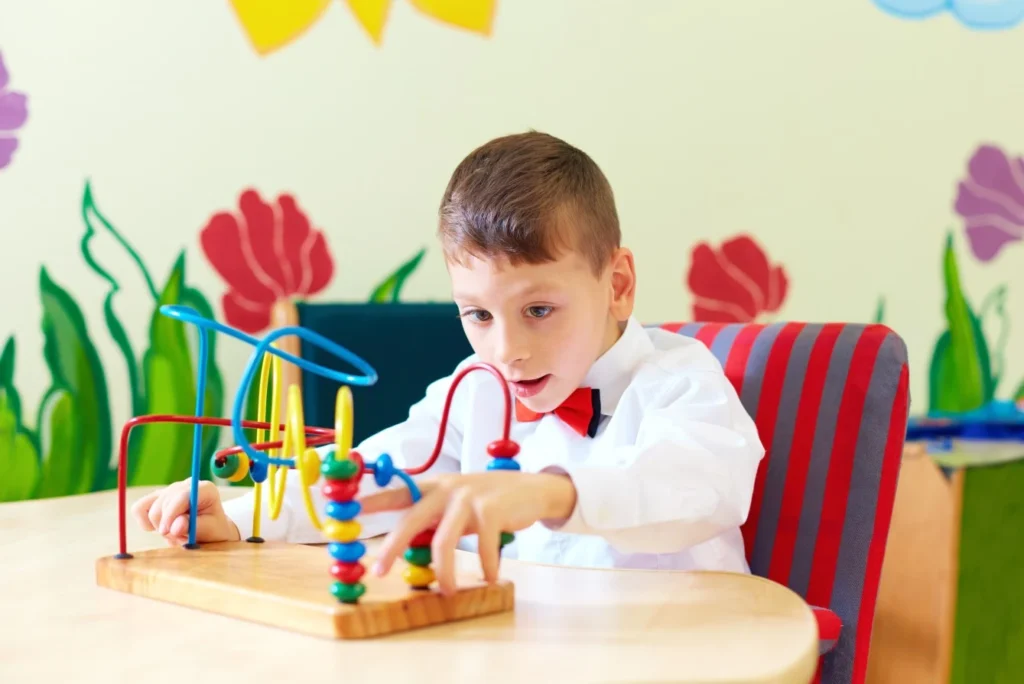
(372, 14)
(342, 530)
(272, 24)
(474, 15)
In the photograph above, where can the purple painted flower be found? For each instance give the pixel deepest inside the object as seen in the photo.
(991, 200)
(13, 113)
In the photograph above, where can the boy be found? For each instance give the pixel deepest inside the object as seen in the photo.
(660, 476)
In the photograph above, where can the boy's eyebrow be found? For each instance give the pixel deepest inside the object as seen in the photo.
(527, 292)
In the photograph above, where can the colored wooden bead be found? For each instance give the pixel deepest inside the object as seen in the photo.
(424, 538)
(343, 510)
(342, 531)
(340, 469)
(232, 467)
(415, 576)
(348, 552)
(507, 538)
(503, 464)
(503, 448)
(349, 573)
(418, 555)
(258, 471)
(309, 462)
(341, 490)
(348, 593)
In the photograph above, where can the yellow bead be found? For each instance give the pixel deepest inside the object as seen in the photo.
(243, 469)
(342, 530)
(310, 464)
(416, 576)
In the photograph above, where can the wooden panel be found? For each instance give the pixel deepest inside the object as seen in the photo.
(288, 586)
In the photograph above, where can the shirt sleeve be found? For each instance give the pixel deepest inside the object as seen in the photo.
(687, 476)
(409, 443)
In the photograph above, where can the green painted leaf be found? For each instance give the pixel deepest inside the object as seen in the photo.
(7, 378)
(959, 376)
(59, 435)
(880, 311)
(96, 224)
(19, 460)
(75, 367)
(390, 289)
(162, 453)
(1019, 394)
(994, 319)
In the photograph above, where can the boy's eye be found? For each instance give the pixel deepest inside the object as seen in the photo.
(538, 311)
(477, 315)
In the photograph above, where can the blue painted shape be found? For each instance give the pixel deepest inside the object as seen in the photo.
(503, 464)
(346, 552)
(981, 15)
(343, 510)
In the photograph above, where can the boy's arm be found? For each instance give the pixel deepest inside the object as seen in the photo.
(409, 444)
(688, 477)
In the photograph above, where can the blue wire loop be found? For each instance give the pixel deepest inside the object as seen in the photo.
(384, 471)
(204, 325)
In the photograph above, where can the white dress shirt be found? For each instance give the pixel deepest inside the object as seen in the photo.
(664, 484)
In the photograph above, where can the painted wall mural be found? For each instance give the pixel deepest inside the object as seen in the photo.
(965, 372)
(974, 14)
(13, 115)
(272, 25)
(265, 252)
(735, 282)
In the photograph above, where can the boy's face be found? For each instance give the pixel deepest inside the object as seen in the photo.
(543, 325)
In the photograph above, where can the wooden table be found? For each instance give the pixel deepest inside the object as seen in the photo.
(568, 625)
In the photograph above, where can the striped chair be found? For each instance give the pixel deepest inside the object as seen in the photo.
(831, 404)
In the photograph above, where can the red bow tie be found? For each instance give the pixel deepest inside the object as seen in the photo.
(581, 411)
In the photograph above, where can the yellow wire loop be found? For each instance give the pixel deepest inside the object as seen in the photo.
(343, 422)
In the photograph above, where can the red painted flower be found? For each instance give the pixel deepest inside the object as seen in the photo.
(734, 283)
(265, 253)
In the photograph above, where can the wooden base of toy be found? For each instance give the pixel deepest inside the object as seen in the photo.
(288, 586)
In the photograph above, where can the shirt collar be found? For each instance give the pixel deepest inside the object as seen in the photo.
(613, 370)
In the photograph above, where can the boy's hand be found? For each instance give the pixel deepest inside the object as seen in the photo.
(166, 511)
(486, 504)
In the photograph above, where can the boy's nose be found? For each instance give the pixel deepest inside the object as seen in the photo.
(512, 348)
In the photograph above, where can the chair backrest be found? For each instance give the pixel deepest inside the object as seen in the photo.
(831, 405)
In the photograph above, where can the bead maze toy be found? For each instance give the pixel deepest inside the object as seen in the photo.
(285, 584)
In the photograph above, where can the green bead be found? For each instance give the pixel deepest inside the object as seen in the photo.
(344, 469)
(225, 467)
(418, 555)
(506, 538)
(348, 593)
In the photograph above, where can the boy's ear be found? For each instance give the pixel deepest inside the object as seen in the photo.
(623, 282)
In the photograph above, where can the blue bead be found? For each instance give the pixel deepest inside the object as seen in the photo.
(503, 464)
(383, 470)
(258, 471)
(347, 552)
(346, 510)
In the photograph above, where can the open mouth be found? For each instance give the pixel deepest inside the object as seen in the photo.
(528, 388)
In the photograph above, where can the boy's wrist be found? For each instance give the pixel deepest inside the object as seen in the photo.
(560, 496)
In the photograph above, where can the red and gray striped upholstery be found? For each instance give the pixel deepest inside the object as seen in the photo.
(831, 404)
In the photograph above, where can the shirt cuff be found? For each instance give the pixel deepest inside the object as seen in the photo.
(575, 523)
(240, 511)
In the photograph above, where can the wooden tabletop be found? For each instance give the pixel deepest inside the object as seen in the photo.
(568, 625)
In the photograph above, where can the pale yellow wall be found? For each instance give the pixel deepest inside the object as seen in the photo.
(832, 131)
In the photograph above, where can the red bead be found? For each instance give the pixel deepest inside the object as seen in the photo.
(503, 448)
(358, 458)
(341, 491)
(424, 538)
(347, 573)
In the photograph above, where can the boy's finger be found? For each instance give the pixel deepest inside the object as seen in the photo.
(488, 535)
(418, 518)
(392, 499)
(140, 509)
(386, 500)
(173, 505)
(446, 538)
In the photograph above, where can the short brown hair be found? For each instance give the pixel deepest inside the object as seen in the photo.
(527, 197)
